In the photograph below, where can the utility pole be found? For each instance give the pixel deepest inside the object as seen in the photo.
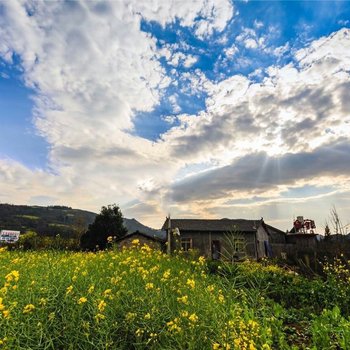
(169, 236)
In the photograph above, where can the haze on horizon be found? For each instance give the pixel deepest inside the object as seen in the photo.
(201, 109)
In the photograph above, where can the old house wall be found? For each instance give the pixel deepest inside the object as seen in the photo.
(202, 241)
(277, 237)
(261, 238)
(302, 241)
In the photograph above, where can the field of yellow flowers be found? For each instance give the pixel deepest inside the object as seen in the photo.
(143, 299)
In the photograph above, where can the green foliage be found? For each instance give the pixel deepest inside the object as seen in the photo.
(32, 241)
(134, 299)
(331, 331)
(45, 221)
(109, 223)
(235, 247)
(143, 299)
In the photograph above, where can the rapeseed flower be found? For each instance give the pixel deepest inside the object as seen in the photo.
(183, 299)
(107, 292)
(130, 316)
(28, 308)
(191, 283)
(69, 290)
(82, 300)
(99, 317)
(149, 286)
(193, 318)
(12, 276)
(102, 305)
(166, 274)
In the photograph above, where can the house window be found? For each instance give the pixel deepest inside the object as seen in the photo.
(239, 244)
(186, 244)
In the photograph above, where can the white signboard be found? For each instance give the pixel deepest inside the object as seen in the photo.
(9, 236)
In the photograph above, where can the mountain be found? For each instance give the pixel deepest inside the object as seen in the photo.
(57, 219)
(133, 225)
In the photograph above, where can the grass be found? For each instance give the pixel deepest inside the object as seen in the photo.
(143, 299)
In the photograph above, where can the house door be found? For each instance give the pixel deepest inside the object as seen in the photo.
(215, 250)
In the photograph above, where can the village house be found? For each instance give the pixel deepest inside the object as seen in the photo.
(143, 238)
(225, 238)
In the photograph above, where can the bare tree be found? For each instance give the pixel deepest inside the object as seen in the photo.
(336, 222)
(338, 227)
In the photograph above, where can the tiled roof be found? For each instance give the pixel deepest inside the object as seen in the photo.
(222, 225)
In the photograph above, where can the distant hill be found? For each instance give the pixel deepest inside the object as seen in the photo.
(56, 219)
(133, 225)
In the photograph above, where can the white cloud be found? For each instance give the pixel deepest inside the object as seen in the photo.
(288, 116)
(258, 24)
(250, 43)
(179, 58)
(214, 14)
(251, 40)
(190, 61)
(231, 51)
(93, 68)
(174, 103)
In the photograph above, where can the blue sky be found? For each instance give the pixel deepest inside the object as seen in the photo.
(164, 100)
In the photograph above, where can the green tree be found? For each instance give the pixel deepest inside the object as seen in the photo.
(108, 223)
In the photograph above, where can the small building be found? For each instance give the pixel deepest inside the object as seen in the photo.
(225, 238)
(152, 241)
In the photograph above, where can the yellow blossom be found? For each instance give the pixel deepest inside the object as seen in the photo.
(42, 301)
(149, 286)
(191, 283)
(184, 314)
(130, 316)
(82, 300)
(210, 288)
(193, 318)
(147, 316)
(107, 292)
(139, 332)
(183, 299)
(166, 274)
(12, 276)
(101, 306)
(69, 290)
(99, 317)
(135, 242)
(216, 346)
(28, 308)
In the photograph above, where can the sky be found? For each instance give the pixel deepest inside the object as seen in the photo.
(197, 109)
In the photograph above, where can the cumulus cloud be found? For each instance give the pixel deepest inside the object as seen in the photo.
(257, 173)
(93, 69)
(289, 111)
(290, 129)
